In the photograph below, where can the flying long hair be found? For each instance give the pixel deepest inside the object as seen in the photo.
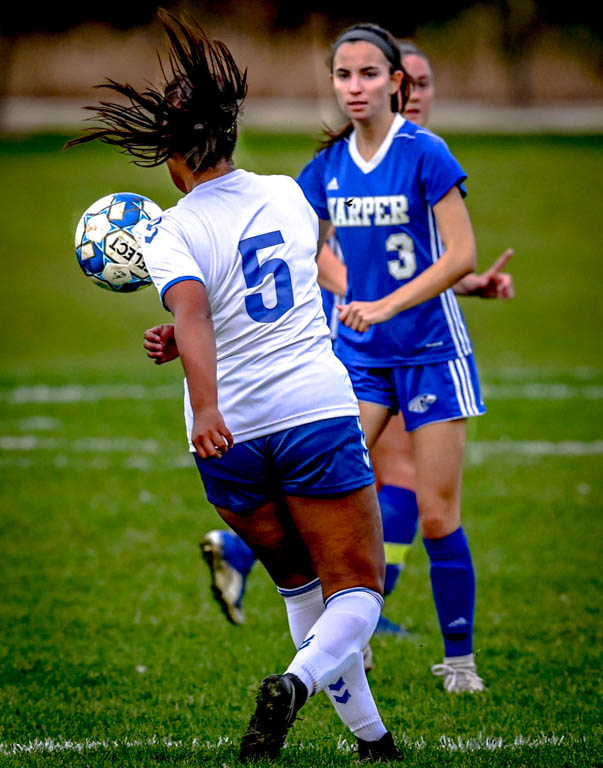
(194, 114)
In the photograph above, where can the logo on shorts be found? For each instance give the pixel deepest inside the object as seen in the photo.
(365, 450)
(421, 403)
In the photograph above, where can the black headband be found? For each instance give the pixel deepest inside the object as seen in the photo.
(367, 36)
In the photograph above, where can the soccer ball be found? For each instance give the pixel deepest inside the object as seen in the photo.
(107, 241)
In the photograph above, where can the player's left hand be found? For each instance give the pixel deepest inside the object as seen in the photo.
(160, 343)
(360, 315)
(493, 283)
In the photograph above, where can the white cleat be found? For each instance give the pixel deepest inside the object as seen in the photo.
(228, 584)
(460, 675)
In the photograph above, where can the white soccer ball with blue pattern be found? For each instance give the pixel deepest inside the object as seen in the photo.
(108, 241)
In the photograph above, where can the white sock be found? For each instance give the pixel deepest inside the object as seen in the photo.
(460, 661)
(351, 696)
(304, 606)
(337, 637)
(353, 701)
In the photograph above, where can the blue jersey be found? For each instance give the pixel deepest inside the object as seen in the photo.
(383, 214)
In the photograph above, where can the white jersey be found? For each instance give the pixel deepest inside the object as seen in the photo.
(251, 240)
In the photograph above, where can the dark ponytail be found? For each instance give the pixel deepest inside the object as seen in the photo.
(193, 115)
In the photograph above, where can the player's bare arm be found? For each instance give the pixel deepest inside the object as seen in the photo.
(324, 230)
(457, 261)
(332, 273)
(194, 334)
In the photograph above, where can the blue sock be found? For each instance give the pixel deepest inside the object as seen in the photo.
(453, 584)
(237, 553)
(399, 514)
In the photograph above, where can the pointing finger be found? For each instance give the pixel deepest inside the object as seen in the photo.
(500, 262)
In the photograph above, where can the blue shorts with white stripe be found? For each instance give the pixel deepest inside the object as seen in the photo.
(424, 394)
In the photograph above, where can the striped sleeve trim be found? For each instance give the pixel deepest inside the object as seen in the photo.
(182, 279)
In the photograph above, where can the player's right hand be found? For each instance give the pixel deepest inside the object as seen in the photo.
(210, 436)
(160, 343)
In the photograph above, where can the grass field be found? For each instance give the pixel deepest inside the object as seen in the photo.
(112, 653)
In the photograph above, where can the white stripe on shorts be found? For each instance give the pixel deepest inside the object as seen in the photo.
(470, 392)
(457, 386)
(463, 387)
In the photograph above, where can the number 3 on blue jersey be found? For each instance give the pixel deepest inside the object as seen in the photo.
(404, 267)
(255, 275)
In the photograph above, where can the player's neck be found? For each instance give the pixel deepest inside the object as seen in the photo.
(221, 169)
(370, 135)
(186, 179)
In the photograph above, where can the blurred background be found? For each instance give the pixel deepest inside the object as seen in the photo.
(499, 64)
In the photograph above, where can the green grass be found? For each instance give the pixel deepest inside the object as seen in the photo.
(109, 640)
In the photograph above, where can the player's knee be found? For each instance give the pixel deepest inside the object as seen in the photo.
(368, 573)
(286, 559)
(371, 571)
(438, 516)
(437, 498)
(435, 528)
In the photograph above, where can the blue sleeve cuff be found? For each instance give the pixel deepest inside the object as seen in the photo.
(167, 286)
(443, 191)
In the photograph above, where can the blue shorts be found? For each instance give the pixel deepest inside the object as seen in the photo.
(424, 394)
(323, 458)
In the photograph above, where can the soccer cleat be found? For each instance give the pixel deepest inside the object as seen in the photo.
(387, 627)
(227, 583)
(278, 701)
(382, 751)
(460, 675)
(367, 657)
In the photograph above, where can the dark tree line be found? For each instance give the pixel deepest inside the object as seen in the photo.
(520, 22)
(402, 18)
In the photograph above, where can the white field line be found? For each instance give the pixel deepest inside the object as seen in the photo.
(543, 391)
(85, 394)
(81, 444)
(26, 452)
(479, 450)
(527, 390)
(99, 445)
(446, 743)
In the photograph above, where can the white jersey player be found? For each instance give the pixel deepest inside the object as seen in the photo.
(272, 418)
(251, 241)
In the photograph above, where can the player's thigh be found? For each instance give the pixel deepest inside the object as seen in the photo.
(373, 418)
(438, 450)
(344, 537)
(325, 473)
(247, 495)
(272, 535)
(376, 395)
(392, 457)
